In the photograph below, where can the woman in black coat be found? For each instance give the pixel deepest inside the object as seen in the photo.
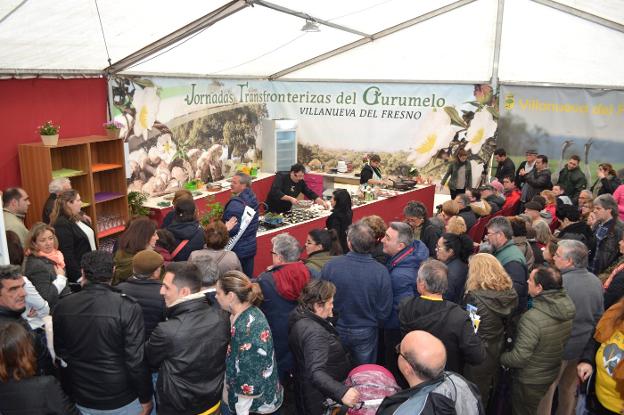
(341, 216)
(607, 180)
(21, 392)
(454, 251)
(75, 237)
(321, 362)
(44, 265)
(186, 227)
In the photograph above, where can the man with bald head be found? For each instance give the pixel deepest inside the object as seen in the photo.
(422, 358)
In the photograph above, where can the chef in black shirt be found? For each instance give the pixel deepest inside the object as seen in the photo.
(286, 187)
(370, 173)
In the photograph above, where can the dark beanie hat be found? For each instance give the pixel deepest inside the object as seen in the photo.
(146, 262)
(533, 206)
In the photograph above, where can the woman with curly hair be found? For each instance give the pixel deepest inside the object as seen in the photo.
(490, 290)
(377, 224)
(456, 225)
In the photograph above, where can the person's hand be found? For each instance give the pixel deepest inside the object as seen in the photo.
(231, 223)
(601, 174)
(521, 172)
(146, 408)
(86, 218)
(59, 270)
(351, 397)
(591, 219)
(294, 201)
(584, 371)
(32, 313)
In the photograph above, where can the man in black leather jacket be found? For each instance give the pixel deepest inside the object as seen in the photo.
(189, 348)
(99, 334)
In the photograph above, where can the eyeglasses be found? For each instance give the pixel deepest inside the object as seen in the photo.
(397, 349)
(310, 243)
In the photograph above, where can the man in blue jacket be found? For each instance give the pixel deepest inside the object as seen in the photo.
(363, 299)
(243, 197)
(406, 255)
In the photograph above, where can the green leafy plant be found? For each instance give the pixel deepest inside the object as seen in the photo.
(135, 202)
(48, 128)
(112, 125)
(213, 213)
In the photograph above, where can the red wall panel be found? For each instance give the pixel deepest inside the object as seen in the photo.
(78, 105)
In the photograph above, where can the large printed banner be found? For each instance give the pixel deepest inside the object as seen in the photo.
(180, 129)
(560, 122)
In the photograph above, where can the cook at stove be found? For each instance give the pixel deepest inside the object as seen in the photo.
(287, 186)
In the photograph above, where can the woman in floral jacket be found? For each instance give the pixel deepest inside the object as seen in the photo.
(251, 379)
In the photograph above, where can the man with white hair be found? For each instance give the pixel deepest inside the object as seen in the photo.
(56, 187)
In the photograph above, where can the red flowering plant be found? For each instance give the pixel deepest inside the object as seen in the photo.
(48, 129)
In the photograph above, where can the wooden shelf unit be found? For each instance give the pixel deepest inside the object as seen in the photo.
(99, 175)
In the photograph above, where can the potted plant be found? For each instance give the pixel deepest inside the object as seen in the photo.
(49, 133)
(213, 213)
(135, 203)
(112, 128)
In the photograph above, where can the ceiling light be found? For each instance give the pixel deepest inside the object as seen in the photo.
(310, 26)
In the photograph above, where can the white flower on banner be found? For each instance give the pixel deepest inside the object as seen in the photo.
(434, 133)
(146, 102)
(166, 148)
(476, 169)
(481, 128)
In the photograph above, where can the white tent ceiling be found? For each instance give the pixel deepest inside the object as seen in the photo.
(575, 42)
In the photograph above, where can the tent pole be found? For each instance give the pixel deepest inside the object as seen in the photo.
(581, 14)
(378, 35)
(306, 16)
(497, 42)
(178, 35)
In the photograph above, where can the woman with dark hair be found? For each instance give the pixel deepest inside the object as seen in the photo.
(21, 392)
(216, 236)
(45, 265)
(321, 362)
(251, 382)
(138, 236)
(607, 181)
(177, 196)
(371, 174)
(320, 245)
(165, 244)
(186, 230)
(458, 175)
(341, 216)
(454, 250)
(14, 246)
(75, 237)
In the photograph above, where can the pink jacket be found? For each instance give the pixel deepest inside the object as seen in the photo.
(618, 195)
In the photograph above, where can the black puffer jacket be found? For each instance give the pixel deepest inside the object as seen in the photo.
(33, 396)
(449, 323)
(147, 293)
(99, 333)
(321, 362)
(189, 350)
(40, 271)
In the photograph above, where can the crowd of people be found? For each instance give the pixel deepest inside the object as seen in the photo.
(510, 317)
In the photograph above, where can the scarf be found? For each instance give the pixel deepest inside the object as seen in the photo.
(609, 324)
(290, 279)
(616, 270)
(55, 256)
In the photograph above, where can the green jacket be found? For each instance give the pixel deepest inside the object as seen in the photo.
(123, 266)
(508, 253)
(452, 171)
(573, 181)
(540, 338)
(316, 260)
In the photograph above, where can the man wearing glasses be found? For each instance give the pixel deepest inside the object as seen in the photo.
(499, 235)
(421, 359)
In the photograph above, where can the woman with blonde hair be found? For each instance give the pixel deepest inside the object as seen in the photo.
(44, 265)
(490, 290)
(251, 380)
(456, 225)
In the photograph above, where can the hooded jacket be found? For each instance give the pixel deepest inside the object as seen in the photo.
(449, 323)
(494, 309)
(189, 351)
(246, 246)
(481, 208)
(190, 231)
(321, 363)
(315, 262)
(281, 286)
(540, 338)
(403, 268)
(447, 394)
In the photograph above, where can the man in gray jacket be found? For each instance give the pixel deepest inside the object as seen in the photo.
(585, 290)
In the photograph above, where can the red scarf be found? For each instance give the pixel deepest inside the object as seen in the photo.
(290, 278)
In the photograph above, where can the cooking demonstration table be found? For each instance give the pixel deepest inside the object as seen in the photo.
(390, 209)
